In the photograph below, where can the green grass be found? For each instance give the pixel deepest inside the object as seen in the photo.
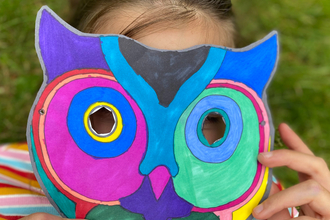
(298, 95)
(20, 72)
(300, 91)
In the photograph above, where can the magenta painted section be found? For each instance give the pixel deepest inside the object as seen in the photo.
(100, 179)
(159, 178)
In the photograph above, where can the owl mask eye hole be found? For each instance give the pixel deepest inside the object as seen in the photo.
(214, 127)
(102, 121)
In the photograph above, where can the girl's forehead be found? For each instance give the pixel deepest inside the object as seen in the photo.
(169, 36)
(182, 38)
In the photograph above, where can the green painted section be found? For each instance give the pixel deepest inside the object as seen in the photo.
(199, 216)
(200, 128)
(66, 206)
(209, 185)
(103, 212)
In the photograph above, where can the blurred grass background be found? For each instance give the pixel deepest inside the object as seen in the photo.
(300, 91)
(298, 95)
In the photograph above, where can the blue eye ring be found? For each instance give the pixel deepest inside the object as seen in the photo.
(200, 127)
(115, 144)
(224, 151)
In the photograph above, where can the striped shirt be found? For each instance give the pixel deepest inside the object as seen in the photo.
(20, 193)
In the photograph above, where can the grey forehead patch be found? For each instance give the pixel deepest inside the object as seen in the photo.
(164, 71)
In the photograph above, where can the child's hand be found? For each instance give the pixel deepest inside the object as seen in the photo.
(43, 216)
(312, 194)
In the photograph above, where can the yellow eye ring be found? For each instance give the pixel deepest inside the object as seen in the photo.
(117, 127)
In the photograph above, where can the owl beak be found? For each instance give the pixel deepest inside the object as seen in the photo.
(159, 178)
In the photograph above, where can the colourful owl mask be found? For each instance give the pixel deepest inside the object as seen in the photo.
(155, 163)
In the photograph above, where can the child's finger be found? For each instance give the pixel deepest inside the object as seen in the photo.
(306, 210)
(284, 214)
(292, 140)
(303, 218)
(308, 192)
(274, 189)
(313, 166)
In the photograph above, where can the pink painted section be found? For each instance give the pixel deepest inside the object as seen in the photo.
(263, 146)
(224, 216)
(159, 178)
(20, 200)
(99, 179)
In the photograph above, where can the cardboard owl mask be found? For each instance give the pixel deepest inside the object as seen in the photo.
(155, 163)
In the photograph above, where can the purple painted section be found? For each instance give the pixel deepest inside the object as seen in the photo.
(100, 179)
(63, 50)
(169, 205)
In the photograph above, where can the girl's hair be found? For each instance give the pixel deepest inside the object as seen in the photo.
(91, 14)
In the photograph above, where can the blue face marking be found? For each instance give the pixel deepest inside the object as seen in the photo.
(160, 131)
(77, 129)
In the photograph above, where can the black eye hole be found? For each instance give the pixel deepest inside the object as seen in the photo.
(214, 127)
(102, 121)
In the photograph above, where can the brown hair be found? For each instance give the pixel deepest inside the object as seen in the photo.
(89, 15)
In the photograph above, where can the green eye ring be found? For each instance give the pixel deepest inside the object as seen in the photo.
(201, 123)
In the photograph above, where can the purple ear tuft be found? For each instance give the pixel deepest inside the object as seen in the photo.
(62, 49)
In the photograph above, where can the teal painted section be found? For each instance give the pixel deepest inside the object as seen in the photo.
(64, 204)
(228, 180)
(199, 216)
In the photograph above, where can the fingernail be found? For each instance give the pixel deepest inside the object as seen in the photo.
(258, 209)
(267, 154)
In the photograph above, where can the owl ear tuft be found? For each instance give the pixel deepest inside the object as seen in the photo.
(253, 65)
(61, 48)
